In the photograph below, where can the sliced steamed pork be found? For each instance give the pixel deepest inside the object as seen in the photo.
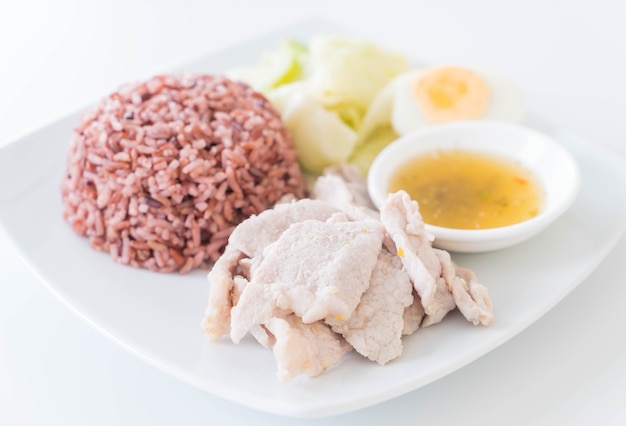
(301, 348)
(375, 327)
(312, 279)
(413, 315)
(354, 181)
(345, 188)
(257, 232)
(216, 321)
(444, 303)
(244, 251)
(317, 270)
(333, 190)
(470, 296)
(403, 222)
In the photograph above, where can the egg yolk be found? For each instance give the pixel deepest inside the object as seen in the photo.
(451, 93)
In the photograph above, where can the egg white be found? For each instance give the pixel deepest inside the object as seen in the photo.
(506, 102)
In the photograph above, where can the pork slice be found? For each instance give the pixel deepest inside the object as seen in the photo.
(255, 233)
(349, 196)
(216, 321)
(471, 297)
(334, 191)
(375, 327)
(344, 187)
(244, 251)
(403, 222)
(354, 181)
(239, 283)
(413, 315)
(444, 303)
(263, 336)
(247, 266)
(317, 270)
(301, 348)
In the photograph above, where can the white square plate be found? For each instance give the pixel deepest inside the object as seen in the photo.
(157, 316)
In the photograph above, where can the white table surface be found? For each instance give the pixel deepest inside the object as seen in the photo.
(568, 57)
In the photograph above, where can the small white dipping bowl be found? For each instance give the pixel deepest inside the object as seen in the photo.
(552, 165)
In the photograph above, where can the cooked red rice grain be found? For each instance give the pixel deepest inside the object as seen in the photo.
(159, 173)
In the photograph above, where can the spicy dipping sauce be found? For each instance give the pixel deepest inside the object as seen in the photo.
(469, 190)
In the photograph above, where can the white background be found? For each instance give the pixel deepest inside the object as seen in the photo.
(569, 57)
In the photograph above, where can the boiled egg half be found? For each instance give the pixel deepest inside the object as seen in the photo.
(452, 93)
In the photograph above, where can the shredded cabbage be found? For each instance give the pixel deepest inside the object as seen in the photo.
(320, 137)
(363, 155)
(282, 66)
(329, 96)
(347, 72)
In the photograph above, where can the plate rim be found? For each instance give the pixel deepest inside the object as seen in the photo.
(311, 410)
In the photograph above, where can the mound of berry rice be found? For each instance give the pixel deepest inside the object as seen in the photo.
(159, 173)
